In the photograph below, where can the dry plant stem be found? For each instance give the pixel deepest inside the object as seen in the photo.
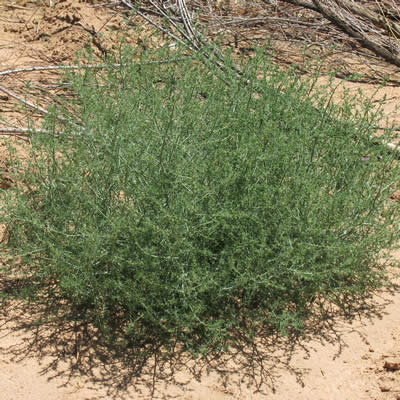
(9, 123)
(256, 21)
(346, 27)
(16, 135)
(24, 133)
(28, 103)
(91, 66)
(187, 20)
(193, 40)
(377, 18)
(199, 39)
(165, 14)
(150, 21)
(301, 3)
(21, 131)
(356, 28)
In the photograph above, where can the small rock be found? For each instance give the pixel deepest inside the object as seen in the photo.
(384, 388)
(392, 365)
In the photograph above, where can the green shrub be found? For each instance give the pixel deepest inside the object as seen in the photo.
(188, 209)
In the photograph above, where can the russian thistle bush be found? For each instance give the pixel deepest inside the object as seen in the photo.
(176, 207)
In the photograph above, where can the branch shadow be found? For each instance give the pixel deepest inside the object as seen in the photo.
(68, 350)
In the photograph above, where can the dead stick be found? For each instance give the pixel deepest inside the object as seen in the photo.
(26, 102)
(91, 66)
(21, 131)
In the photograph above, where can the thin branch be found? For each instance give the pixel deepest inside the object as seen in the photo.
(22, 131)
(19, 133)
(265, 19)
(91, 66)
(150, 21)
(197, 44)
(301, 3)
(26, 102)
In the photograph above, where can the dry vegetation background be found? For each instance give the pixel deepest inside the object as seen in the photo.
(359, 40)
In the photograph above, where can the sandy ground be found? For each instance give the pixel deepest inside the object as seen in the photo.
(340, 359)
(343, 360)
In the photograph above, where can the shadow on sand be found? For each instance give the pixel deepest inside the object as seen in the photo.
(68, 350)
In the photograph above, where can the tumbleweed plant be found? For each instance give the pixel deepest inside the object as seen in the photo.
(168, 205)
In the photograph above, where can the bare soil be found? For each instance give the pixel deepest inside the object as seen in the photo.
(341, 358)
